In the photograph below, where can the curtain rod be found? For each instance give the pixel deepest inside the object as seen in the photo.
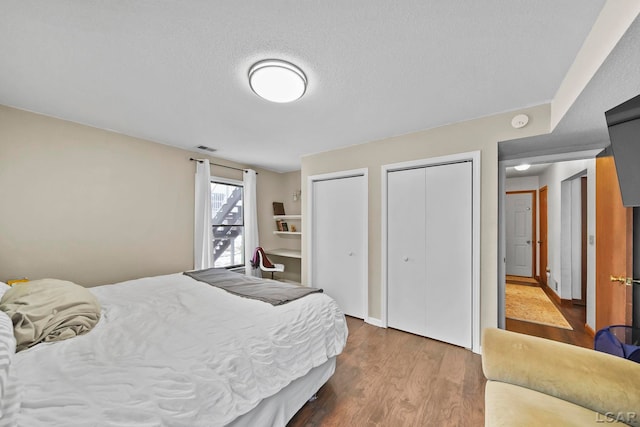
(218, 164)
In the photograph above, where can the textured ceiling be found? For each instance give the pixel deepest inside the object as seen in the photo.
(584, 126)
(175, 71)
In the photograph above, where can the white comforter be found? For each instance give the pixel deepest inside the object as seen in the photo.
(171, 351)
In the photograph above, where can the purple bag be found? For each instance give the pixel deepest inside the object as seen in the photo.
(619, 340)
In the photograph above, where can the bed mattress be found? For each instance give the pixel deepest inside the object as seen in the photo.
(171, 351)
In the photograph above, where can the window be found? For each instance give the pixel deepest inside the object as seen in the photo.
(227, 220)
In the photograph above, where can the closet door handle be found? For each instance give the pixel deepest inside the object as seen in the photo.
(350, 253)
(405, 259)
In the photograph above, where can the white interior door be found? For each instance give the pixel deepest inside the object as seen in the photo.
(519, 247)
(339, 252)
(406, 249)
(449, 254)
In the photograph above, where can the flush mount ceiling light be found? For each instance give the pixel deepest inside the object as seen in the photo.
(277, 81)
(522, 167)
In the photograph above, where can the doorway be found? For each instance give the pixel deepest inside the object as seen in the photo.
(551, 270)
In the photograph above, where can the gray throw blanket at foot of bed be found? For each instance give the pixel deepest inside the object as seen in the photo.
(270, 291)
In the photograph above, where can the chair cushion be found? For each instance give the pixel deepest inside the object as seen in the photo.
(509, 405)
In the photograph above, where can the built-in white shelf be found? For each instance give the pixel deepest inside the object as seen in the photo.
(295, 218)
(276, 217)
(289, 253)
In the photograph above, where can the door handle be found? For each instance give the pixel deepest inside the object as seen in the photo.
(528, 242)
(626, 280)
(350, 253)
(405, 259)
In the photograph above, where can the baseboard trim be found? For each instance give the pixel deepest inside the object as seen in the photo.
(588, 330)
(553, 295)
(375, 322)
(560, 301)
(566, 302)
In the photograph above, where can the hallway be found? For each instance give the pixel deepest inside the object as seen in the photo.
(575, 315)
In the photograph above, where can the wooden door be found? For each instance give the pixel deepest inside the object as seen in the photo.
(406, 249)
(449, 261)
(520, 217)
(543, 236)
(614, 240)
(339, 255)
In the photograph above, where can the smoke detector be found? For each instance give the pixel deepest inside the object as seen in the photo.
(520, 121)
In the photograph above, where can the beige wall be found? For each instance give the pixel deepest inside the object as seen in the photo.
(481, 134)
(96, 207)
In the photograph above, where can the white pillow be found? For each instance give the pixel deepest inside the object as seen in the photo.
(9, 396)
(3, 288)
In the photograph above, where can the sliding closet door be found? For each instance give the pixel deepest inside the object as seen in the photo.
(448, 222)
(339, 252)
(406, 248)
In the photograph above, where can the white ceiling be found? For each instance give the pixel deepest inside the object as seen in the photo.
(534, 170)
(175, 72)
(584, 126)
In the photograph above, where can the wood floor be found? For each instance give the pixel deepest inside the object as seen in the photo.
(386, 377)
(575, 315)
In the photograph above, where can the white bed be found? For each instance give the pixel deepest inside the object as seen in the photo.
(172, 351)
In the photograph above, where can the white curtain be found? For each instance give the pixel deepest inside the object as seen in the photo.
(251, 240)
(203, 234)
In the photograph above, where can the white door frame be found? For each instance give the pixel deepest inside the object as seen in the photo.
(364, 172)
(474, 157)
(502, 177)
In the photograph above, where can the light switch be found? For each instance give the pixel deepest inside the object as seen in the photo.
(592, 239)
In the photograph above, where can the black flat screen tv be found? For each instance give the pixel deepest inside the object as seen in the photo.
(623, 122)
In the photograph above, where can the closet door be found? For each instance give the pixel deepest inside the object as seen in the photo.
(406, 251)
(448, 222)
(339, 252)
